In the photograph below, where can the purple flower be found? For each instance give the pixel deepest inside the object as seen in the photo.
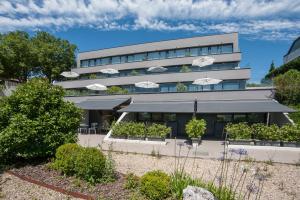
(252, 188)
(242, 152)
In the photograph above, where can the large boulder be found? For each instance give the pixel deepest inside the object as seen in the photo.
(197, 193)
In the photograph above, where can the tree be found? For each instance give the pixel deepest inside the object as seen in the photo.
(294, 64)
(54, 55)
(272, 66)
(35, 120)
(16, 56)
(288, 87)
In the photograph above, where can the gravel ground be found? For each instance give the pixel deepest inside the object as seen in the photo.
(14, 188)
(282, 180)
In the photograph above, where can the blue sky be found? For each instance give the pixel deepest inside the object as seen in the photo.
(266, 27)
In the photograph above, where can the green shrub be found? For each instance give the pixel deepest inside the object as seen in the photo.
(180, 87)
(158, 130)
(296, 115)
(290, 133)
(185, 68)
(195, 128)
(136, 129)
(132, 181)
(35, 120)
(271, 132)
(116, 90)
(238, 131)
(90, 165)
(65, 158)
(155, 185)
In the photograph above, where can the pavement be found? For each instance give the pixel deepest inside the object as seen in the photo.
(208, 149)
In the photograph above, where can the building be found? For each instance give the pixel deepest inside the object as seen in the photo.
(293, 53)
(172, 102)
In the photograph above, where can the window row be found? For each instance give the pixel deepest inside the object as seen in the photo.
(178, 53)
(242, 117)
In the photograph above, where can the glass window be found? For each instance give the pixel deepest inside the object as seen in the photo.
(194, 51)
(171, 54)
(204, 51)
(164, 88)
(157, 117)
(105, 61)
(123, 59)
(153, 55)
(84, 63)
(144, 116)
(224, 118)
(92, 63)
(162, 54)
(193, 88)
(98, 61)
(206, 87)
(231, 86)
(140, 57)
(218, 86)
(180, 53)
(130, 58)
(227, 48)
(256, 118)
(169, 117)
(172, 88)
(116, 60)
(239, 118)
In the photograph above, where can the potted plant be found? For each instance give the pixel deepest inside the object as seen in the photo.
(120, 130)
(136, 131)
(195, 129)
(239, 134)
(157, 132)
(290, 135)
(269, 136)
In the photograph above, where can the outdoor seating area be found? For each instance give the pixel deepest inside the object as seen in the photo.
(94, 128)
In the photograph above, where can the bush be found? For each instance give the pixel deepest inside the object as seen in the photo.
(195, 128)
(65, 158)
(290, 133)
(238, 131)
(132, 181)
(116, 90)
(35, 120)
(90, 165)
(158, 130)
(155, 185)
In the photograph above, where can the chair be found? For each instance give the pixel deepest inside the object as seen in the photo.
(83, 128)
(93, 128)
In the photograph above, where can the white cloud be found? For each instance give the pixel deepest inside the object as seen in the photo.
(273, 19)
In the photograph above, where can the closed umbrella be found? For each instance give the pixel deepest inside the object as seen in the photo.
(195, 108)
(146, 84)
(206, 81)
(109, 71)
(97, 87)
(69, 74)
(203, 61)
(157, 69)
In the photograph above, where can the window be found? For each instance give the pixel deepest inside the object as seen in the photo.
(162, 54)
(153, 56)
(218, 86)
(116, 60)
(91, 63)
(105, 61)
(224, 118)
(140, 57)
(206, 87)
(194, 51)
(256, 118)
(169, 117)
(164, 88)
(204, 51)
(98, 61)
(84, 63)
(231, 86)
(239, 118)
(171, 54)
(214, 50)
(123, 59)
(180, 53)
(144, 116)
(228, 48)
(157, 117)
(193, 88)
(130, 58)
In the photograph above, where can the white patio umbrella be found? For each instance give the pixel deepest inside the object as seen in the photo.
(206, 81)
(157, 69)
(97, 87)
(146, 84)
(69, 74)
(109, 71)
(203, 61)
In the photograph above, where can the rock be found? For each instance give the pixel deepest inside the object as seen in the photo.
(197, 193)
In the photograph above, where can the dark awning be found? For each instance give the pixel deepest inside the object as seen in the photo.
(105, 104)
(259, 106)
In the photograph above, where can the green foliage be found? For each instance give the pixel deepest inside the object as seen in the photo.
(271, 132)
(288, 87)
(290, 133)
(35, 120)
(116, 90)
(295, 116)
(139, 129)
(90, 165)
(294, 64)
(92, 76)
(238, 131)
(272, 67)
(65, 158)
(158, 130)
(195, 128)
(132, 181)
(185, 68)
(134, 73)
(155, 185)
(180, 87)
